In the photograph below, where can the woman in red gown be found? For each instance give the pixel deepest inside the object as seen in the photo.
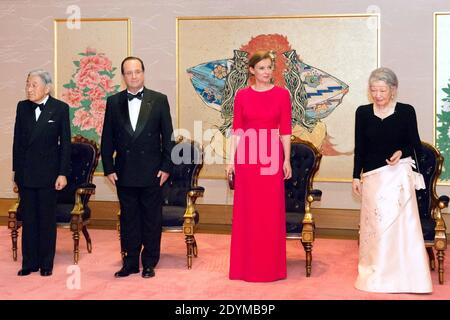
(261, 153)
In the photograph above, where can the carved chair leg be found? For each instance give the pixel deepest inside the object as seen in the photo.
(440, 258)
(14, 235)
(195, 248)
(431, 258)
(190, 250)
(308, 250)
(76, 246)
(88, 239)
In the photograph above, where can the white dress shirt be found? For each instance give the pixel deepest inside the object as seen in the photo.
(37, 111)
(134, 106)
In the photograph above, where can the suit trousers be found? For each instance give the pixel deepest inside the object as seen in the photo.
(140, 224)
(38, 210)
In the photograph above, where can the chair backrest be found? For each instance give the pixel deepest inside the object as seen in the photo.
(305, 161)
(83, 162)
(187, 157)
(430, 163)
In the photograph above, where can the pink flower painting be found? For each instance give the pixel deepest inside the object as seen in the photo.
(87, 90)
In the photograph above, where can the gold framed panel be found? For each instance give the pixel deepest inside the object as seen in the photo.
(87, 62)
(346, 46)
(441, 90)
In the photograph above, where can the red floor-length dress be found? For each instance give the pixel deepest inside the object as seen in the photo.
(258, 239)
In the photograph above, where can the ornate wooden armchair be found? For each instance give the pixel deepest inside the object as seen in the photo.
(72, 208)
(180, 193)
(299, 195)
(430, 207)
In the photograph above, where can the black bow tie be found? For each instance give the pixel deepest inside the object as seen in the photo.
(138, 95)
(40, 106)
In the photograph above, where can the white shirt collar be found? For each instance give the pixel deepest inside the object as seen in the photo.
(141, 89)
(44, 101)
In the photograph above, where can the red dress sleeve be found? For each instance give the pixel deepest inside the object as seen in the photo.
(286, 110)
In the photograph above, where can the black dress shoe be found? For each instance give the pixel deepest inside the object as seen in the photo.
(26, 271)
(46, 272)
(148, 272)
(125, 272)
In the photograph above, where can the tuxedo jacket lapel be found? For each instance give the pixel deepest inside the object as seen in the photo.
(125, 114)
(144, 113)
(45, 115)
(30, 117)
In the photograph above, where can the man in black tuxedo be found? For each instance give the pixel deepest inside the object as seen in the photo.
(41, 163)
(138, 128)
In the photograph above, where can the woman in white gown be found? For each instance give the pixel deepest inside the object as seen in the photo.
(392, 254)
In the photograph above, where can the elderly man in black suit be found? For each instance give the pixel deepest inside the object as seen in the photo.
(41, 163)
(138, 129)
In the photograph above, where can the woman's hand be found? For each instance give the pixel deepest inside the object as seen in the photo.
(357, 187)
(229, 168)
(287, 170)
(395, 158)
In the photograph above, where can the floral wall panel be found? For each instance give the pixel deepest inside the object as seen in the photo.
(87, 70)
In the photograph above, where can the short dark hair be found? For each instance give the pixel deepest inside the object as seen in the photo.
(132, 58)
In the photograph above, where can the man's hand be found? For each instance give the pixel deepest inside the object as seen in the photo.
(60, 183)
(112, 177)
(163, 177)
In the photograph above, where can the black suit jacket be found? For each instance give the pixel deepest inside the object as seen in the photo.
(41, 150)
(142, 153)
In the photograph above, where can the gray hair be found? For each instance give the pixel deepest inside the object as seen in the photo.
(44, 75)
(384, 74)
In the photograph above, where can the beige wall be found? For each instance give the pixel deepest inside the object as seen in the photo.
(26, 42)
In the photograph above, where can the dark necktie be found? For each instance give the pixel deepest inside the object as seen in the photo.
(40, 106)
(137, 95)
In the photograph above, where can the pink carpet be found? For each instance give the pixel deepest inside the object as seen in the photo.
(333, 273)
